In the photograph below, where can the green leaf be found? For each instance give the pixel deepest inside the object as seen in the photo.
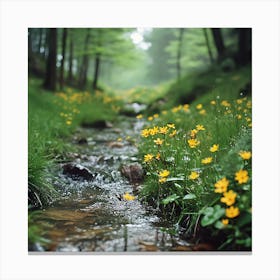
(189, 196)
(174, 179)
(177, 186)
(170, 199)
(212, 214)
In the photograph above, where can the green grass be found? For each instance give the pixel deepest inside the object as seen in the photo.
(206, 85)
(52, 118)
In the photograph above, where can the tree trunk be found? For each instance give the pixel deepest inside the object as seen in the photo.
(40, 40)
(50, 79)
(179, 52)
(244, 46)
(84, 66)
(96, 71)
(219, 42)
(61, 78)
(70, 73)
(208, 45)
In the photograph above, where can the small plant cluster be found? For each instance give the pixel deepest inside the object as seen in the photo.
(198, 163)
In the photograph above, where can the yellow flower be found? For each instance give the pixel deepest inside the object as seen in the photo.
(200, 127)
(139, 116)
(232, 212)
(186, 107)
(249, 104)
(194, 175)
(164, 173)
(214, 148)
(245, 154)
(221, 185)
(229, 198)
(239, 101)
(163, 176)
(241, 176)
(145, 132)
(171, 125)
(239, 117)
(154, 130)
(213, 102)
(225, 103)
(150, 118)
(148, 157)
(68, 122)
(158, 156)
(199, 106)
(207, 160)
(158, 141)
(202, 112)
(162, 180)
(225, 222)
(173, 133)
(119, 139)
(128, 196)
(193, 143)
(164, 112)
(156, 116)
(193, 133)
(163, 129)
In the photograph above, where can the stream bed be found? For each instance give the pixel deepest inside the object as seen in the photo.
(92, 215)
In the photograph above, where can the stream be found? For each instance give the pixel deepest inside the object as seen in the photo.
(92, 215)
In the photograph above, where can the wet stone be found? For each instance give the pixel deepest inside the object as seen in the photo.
(77, 172)
(133, 172)
(100, 124)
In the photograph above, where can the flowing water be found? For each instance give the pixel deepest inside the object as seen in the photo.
(92, 216)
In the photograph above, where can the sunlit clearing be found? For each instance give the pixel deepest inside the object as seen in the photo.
(136, 37)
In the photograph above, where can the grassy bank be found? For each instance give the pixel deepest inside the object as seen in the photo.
(198, 163)
(52, 118)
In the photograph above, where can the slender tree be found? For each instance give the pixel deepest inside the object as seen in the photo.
(244, 46)
(179, 52)
(50, 78)
(208, 45)
(85, 62)
(61, 77)
(96, 70)
(71, 54)
(219, 42)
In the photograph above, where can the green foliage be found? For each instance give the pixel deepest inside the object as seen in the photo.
(52, 118)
